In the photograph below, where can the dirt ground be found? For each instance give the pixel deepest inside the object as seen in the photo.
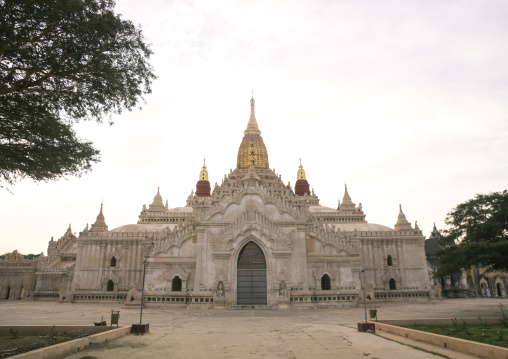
(200, 332)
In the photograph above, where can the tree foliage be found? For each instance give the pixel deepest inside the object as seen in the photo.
(477, 234)
(62, 61)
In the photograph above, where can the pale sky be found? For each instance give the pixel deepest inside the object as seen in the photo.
(405, 101)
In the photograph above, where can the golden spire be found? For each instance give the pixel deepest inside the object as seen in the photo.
(301, 172)
(252, 149)
(203, 175)
(252, 126)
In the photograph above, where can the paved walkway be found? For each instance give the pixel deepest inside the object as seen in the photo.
(205, 333)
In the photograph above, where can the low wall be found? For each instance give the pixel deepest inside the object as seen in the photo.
(64, 349)
(46, 329)
(437, 321)
(460, 345)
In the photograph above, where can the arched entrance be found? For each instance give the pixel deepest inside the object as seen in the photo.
(6, 290)
(251, 276)
(176, 284)
(325, 282)
(393, 285)
(499, 288)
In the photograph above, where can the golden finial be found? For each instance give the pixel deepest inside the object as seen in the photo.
(252, 126)
(203, 175)
(300, 175)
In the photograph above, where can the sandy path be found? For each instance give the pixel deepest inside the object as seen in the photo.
(204, 333)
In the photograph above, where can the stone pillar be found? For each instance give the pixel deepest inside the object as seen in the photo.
(401, 265)
(124, 265)
(300, 251)
(201, 250)
(102, 251)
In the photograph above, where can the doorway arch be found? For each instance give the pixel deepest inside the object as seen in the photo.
(393, 285)
(389, 260)
(499, 288)
(325, 282)
(176, 284)
(6, 291)
(251, 276)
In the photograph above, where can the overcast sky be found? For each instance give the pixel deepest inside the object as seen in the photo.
(406, 101)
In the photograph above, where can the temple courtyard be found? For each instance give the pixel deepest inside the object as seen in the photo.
(200, 332)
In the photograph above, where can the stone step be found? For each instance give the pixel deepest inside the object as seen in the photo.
(253, 307)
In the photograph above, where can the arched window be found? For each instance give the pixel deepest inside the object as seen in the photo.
(6, 291)
(389, 260)
(111, 285)
(113, 262)
(499, 287)
(393, 286)
(325, 282)
(176, 285)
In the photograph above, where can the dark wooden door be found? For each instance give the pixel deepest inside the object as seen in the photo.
(251, 276)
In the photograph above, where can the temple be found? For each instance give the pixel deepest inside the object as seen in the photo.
(251, 240)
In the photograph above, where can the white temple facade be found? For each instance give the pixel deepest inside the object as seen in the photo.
(250, 241)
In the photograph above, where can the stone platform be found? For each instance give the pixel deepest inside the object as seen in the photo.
(207, 333)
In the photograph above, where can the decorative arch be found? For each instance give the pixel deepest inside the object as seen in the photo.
(325, 282)
(499, 289)
(173, 241)
(251, 275)
(177, 271)
(484, 286)
(6, 291)
(324, 270)
(21, 291)
(389, 260)
(231, 280)
(176, 284)
(393, 284)
(391, 273)
(217, 212)
(337, 242)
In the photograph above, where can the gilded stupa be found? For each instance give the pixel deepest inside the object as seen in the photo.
(252, 149)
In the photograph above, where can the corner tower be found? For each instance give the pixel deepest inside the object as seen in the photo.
(301, 186)
(203, 185)
(252, 149)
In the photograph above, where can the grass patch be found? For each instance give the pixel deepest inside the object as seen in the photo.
(415, 347)
(478, 332)
(14, 344)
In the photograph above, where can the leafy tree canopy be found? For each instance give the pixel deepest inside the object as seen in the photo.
(62, 61)
(477, 234)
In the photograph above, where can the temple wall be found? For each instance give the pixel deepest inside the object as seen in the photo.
(94, 259)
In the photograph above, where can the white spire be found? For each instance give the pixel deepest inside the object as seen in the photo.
(402, 223)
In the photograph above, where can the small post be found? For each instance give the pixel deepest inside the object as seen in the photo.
(143, 287)
(364, 299)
